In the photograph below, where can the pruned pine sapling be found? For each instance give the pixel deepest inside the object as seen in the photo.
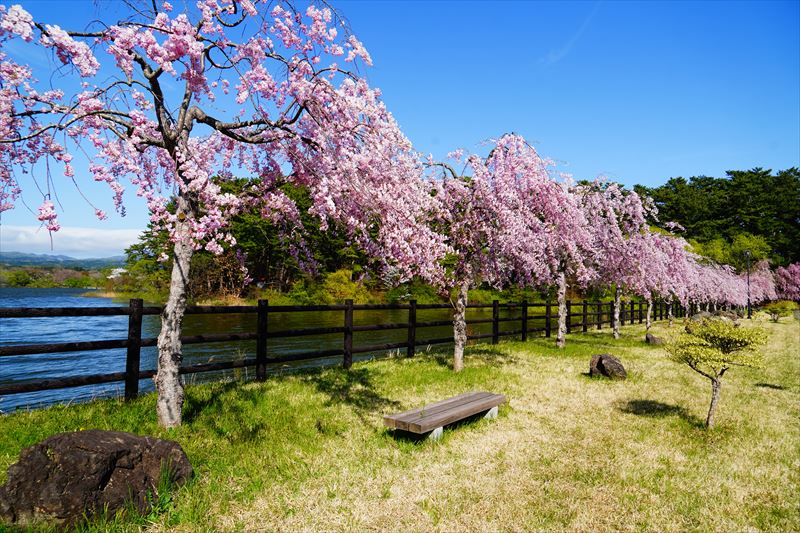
(712, 347)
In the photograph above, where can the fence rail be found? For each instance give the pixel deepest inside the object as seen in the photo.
(578, 316)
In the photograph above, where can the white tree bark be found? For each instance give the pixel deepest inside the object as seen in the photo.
(460, 327)
(649, 321)
(669, 312)
(617, 303)
(170, 350)
(561, 338)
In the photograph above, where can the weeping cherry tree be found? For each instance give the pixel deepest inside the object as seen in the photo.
(167, 100)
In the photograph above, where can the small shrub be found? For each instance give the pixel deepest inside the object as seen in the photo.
(712, 347)
(779, 309)
(339, 286)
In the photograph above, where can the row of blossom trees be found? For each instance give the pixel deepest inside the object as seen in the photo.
(171, 103)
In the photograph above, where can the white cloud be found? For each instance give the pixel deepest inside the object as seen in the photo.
(72, 241)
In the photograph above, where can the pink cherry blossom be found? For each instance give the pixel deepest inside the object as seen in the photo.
(295, 117)
(787, 280)
(48, 216)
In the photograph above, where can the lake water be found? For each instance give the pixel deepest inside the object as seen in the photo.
(14, 331)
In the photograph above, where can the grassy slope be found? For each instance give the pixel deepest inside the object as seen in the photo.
(568, 452)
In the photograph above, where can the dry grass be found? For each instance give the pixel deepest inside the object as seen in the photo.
(308, 452)
(574, 453)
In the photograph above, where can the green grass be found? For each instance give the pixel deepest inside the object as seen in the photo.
(308, 451)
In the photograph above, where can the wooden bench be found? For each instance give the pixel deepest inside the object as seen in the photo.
(432, 418)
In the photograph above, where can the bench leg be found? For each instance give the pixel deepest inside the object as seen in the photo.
(491, 414)
(436, 434)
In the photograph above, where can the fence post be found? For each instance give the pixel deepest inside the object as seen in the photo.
(261, 341)
(547, 319)
(495, 321)
(569, 316)
(622, 313)
(640, 312)
(599, 315)
(412, 329)
(633, 312)
(134, 351)
(585, 324)
(524, 320)
(348, 334)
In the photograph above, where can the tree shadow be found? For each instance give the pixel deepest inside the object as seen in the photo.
(482, 354)
(770, 386)
(589, 339)
(653, 409)
(354, 387)
(230, 411)
(194, 405)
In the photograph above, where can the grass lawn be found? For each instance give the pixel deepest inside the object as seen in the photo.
(308, 451)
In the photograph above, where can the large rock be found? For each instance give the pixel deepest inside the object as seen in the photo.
(652, 339)
(730, 315)
(608, 366)
(70, 475)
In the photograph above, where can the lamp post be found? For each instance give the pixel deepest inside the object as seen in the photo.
(749, 307)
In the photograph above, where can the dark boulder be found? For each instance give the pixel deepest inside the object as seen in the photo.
(652, 339)
(699, 317)
(730, 315)
(594, 369)
(608, 366)
(71, 475)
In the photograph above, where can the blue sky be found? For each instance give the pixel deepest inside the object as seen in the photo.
(636, 91)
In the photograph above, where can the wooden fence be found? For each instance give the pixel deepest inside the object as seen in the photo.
(580, 316)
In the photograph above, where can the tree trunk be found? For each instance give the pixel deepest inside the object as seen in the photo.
(716, 386)
(669, 312)
(649, 321)
(167, 380)
(561, 339)
(460, 327)
(714, 306)
(617, 303)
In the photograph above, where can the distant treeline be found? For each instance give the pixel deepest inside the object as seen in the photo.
(755, 210)
(50, 277)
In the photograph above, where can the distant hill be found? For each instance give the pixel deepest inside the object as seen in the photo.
(20, 259)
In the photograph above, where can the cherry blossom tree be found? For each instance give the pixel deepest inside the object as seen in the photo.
(485, 213)
(715, 284)
(615, 218)
(787, 280)
(762, 283)
(679, 272)
(264, 89)
(569, 249)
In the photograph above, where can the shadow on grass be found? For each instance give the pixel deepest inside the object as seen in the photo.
(485, 355)
(354, 387)
(652, 409)
(401, 435)
(770, 386)
(193, 405)
(230, 411)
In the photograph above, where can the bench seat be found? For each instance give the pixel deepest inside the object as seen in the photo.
(434, 416)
